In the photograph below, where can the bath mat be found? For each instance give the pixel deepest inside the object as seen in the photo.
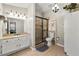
(42, 48)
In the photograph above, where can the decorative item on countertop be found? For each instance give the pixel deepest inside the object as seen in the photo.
(70, 7)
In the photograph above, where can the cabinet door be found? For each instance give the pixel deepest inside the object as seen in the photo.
(24, 41)
(9, 45)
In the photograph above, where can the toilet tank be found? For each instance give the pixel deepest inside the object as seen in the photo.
(51, 34)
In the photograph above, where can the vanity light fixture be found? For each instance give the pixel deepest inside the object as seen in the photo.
(55, 8)
(16, 14)
(11, 13)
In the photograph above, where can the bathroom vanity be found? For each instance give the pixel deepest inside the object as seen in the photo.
(13, 43)
(13, 37)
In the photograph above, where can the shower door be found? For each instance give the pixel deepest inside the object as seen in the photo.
(38, 30)
(45, 29)
(41, 29)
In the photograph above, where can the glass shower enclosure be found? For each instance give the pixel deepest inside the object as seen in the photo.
(41, 30)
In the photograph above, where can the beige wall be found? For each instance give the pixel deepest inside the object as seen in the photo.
(60, 29)
(38, 12)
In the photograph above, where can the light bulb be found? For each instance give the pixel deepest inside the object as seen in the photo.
(24, 16)
(11, 13)
(16, 15)
(20, 15)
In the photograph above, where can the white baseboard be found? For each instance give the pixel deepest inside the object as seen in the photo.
(33, 48)
(59, 44)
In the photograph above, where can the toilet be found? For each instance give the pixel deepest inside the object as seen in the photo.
(50, 38)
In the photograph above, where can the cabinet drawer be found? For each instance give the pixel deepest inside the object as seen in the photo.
(9, 41)
(9, 49)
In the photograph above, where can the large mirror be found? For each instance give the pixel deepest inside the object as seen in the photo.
(12, 27)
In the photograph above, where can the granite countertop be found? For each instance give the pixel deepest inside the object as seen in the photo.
(7, 36)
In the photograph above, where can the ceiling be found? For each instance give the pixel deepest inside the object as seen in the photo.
(47, 7)
(44, 6)
(23, 5)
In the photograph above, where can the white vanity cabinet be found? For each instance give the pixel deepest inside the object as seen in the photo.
(14, 44)
(9, 45)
